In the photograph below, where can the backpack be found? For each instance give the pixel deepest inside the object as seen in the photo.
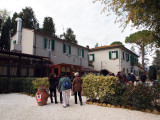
(67, 85)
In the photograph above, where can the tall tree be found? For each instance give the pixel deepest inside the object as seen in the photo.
(144, 13)
(116, 43)
(28, 18)
(69, 36)
(14, 23)
(4, 14)
(5, 36)
(48, 26)
(156, 61)
(141, 39)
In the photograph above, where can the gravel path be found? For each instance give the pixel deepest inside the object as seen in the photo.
(17, 106)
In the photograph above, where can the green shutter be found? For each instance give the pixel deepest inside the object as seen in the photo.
(53, 44)
(45, 43)
(69, 49)
(78, 52)
(128, 57)
(132, 60)
(82, 53)
(64, 48)
(117, 54)
(110, 56)
(14, 41)
(93, 56)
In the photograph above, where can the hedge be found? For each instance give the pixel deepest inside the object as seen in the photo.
(107, 89)
(8, 85)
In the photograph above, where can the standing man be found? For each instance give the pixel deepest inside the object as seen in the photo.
(143, 77)
(65, 91)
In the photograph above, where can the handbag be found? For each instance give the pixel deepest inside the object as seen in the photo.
(67, 85)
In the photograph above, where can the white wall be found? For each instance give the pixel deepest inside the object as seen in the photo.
(27, 41)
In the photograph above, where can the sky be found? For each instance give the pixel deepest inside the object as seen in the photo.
(83, 16)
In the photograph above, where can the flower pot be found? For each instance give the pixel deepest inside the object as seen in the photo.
(41, 96)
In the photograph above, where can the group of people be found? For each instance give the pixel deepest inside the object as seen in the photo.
(76, 86)
(131, 78)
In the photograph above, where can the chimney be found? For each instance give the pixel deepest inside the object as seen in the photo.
(17, 46)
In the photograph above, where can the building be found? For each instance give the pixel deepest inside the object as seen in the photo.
(113, 58)
(31, 42)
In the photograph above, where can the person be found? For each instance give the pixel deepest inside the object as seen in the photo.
(120, 77)
(129, 81)
(77, 87)
(65, 91)
(53, 82)
(143, 78)
(73, 76)
(61, 99)
(137, 79)
(132, 77)
(124, 78)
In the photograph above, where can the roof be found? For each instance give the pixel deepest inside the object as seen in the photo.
(88, 70)
(111, 47)
(56, 38)
(22, 54)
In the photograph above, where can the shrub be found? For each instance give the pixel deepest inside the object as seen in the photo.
(40, 82)
(96, 87)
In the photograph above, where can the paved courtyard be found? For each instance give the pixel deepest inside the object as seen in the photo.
(17, 106)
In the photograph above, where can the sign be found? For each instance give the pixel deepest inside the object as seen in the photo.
(38, 98)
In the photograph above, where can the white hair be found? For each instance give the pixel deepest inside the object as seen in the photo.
(76, 74)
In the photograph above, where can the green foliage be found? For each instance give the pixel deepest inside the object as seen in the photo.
(28, 18)
(40, 82)
(140, 12)
(152, 73)
(4, 15)
(141, 39)
(69, 36)
(17, 85)
(48, 26)
(97, 86)
(116, 43)
(5, 36)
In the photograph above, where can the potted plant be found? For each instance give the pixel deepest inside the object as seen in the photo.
(41, 96)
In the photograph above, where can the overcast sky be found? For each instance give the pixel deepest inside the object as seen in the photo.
(83, 16)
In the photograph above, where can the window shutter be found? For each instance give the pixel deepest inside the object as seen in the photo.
(45, 43)
(53, 44)
(93, 56)
(117, 54)
(69, 49)
(64, 48)
(14, 41)
(78, 52)
(82, 53)
(110, 56)
(123, 56)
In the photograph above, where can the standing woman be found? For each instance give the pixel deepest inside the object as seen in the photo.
(77, 87)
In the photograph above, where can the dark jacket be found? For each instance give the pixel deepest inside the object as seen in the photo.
(53, 82)
(143, 78)
(77, 84)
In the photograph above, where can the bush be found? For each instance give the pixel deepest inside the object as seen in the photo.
(17, 85)
(96, 87)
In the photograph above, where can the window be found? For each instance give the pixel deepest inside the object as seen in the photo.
(66, 49)
(80, 52)
(49, 44)
(14, 41)
(91, 57)
(113, 54)
(127, 57)
(123, 56)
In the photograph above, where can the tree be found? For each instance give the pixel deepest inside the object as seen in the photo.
(141, 39)
(14, 23)
(4, 14)
(28, 18)
(152, 73)
(156, 61)
(48, 26)
(116, 43)
(69, 36)
(142, 13)
(5, 37)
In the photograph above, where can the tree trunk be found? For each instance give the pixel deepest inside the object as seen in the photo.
(142, 55)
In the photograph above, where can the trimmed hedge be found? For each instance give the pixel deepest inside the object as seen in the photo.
(107, 89)
(8, 85)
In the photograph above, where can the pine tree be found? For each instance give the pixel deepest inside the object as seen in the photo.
(69, 36)
(5, 36)
(28, 18)
(48, 26)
